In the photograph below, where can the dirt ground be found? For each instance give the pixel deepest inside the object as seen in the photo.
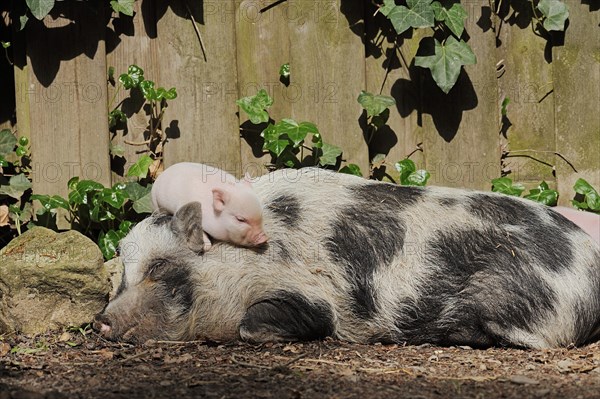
(79, 364)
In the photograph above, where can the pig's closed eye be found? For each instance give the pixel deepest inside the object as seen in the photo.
(155, 267)
(241, 219)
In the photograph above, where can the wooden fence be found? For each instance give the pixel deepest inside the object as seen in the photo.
(61, 90)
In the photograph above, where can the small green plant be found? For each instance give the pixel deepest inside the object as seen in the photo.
(586, 197)
(542, 193)
(15, 183)
(156, 104)
(105, 214)
(287, 140)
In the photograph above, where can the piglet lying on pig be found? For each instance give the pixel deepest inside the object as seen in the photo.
(365, 261)
(231, 211)
(589, 222)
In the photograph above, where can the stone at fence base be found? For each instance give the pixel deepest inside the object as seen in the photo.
(50, 280)
(115, 269)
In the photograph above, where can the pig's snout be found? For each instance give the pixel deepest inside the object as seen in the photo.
(102, 324)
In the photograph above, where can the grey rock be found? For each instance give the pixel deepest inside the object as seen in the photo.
(50, 280)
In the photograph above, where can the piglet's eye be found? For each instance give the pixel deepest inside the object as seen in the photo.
(241, 219)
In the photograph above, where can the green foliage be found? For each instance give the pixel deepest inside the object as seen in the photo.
(40, 8)
(542, 193)
(15, 183)
(587, 197)
(446, 58)
(446, 61)
(504, 185)
(123, 6)
(287, 140)
(105, 214)
(409, 175)
(256, 106)
(284, 74)
(375, 104)
(504, 108)
(555, 14)
(156, 103)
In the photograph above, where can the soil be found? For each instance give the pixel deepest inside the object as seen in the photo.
(80, 364)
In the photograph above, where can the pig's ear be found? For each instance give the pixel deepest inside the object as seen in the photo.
(187, 224)
(220, 199)
(247, 180)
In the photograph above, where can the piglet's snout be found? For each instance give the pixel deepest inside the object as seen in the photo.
(261, 238)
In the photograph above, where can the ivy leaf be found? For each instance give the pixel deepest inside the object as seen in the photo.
(51, 202)
(8, 141)
(143, 204)
(329, 154)
(351, 169)
(419, 14)
(556, 13)
(272, 141)
(505, 185)
(375, 104)
(123, 6)
(543, 194)
(116, 150)
(405, 168)
(592, 198)
(79, 194)
(454, 18)
(17, 185)
(114, 198)
(40, 8)
(22, 22)
(140, 168)
(108, 243)
(135, 190)
(296, 132)
(256, 106)
(447, 60)
(417, 178)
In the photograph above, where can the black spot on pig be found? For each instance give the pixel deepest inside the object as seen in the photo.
(161, 218)
(546, 243)
(480, 278)
(287, 209)
(448, 202)
(287, 316)
(497, 209)
(174, 279)
(122, 285)
(361, 237)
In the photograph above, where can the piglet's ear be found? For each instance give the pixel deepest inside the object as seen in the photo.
(220, 199)
(187, 224)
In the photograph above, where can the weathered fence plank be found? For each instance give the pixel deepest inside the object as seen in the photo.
(66, 94)
(262, 48)
(131, 41)
(576, 70)
(204, 127)
(461, 129)
(328, 69)
(526, 81)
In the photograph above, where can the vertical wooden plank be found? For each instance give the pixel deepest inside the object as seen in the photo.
(576, 70)
(461, 129)
(7, 82)
(389, 70)
(262, 44)
(132, 40)
(527, 81)
(66, 93)
(205, 126)
(328, 65)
